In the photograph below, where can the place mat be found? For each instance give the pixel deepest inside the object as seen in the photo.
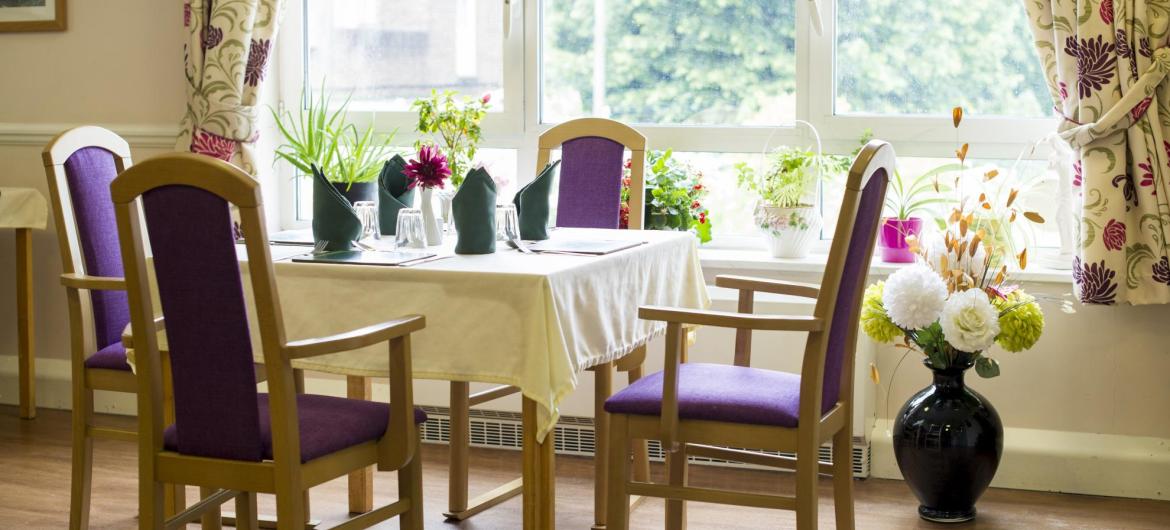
(594, 247)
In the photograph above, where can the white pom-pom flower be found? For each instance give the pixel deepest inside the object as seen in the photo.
(969, 321)
(914, 296)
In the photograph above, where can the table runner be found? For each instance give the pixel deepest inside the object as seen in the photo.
(23, 208)
(531, 321)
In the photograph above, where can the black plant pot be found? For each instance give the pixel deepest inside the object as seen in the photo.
(948, 440)
(358, 191)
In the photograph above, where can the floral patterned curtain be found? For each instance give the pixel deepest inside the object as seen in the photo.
(229, 43)
(1106, 61)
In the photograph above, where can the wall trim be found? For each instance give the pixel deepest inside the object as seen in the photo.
(138, 134)
(1062, 461)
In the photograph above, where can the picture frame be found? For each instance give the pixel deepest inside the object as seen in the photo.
(32, 15)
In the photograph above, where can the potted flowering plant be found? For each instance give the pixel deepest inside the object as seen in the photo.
(454, 126)
(674, 193)
(953, 306)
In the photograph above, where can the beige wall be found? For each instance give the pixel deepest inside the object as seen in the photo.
(120, 65)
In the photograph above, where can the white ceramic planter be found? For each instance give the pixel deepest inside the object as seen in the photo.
(789, 232)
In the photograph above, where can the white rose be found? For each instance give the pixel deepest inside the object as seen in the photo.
(969, 322)
(914, 296)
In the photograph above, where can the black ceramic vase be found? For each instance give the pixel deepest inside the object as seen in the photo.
(948, 440)
(358, 191)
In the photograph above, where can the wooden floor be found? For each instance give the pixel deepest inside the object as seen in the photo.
(34, 492)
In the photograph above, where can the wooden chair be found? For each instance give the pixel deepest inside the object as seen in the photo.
(700, 409)
(80, 163)
(226, 435)
(592, 153)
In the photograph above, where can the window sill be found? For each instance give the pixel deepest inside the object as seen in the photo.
(732, 260)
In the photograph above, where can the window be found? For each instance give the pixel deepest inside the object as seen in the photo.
(717, 81)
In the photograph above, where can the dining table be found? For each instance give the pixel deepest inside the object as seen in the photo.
(535, 321)
(24, 210)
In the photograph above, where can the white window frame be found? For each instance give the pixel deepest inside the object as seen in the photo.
(519, 125)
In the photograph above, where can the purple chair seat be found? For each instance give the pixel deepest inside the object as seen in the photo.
(717, 392)
(112, 357)
(327, 424)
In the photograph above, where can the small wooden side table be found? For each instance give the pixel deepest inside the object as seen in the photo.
(24, 209)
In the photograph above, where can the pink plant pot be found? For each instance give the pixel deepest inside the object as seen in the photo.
(893, 241)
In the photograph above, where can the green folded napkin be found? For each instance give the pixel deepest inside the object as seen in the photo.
(474, 210)
(532, 204)
(334, 219)
(393, 194)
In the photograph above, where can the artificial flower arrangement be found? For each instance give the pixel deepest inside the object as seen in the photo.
(957, 300)
(674, 196)
(454, 126)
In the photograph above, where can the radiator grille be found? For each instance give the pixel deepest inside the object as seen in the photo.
(574, 436)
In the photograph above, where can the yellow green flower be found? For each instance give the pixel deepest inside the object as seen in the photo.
(874, 320)
(1021, 326)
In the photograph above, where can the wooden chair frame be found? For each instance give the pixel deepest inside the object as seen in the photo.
(683, 437)
(459, 508)
(78, 286)
(285, 475)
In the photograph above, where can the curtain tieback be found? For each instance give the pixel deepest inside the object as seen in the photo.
(236, 122)
(1121, 115)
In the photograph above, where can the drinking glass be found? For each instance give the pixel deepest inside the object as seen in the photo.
(408, 233)
(367, 212)
(507, 223)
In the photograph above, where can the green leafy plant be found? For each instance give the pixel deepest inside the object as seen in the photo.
(322, 137)
(674, 196)
(791, 177)
(454, 126)
(909, 196)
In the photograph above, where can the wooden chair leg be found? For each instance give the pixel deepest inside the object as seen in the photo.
(361, 482)
(151, 515)
(26, 358)
(807, 463)
(290, 508)
(410, 487)
(641, 450)
(213, 519)
(843, 478)
(82, 456)
(460, 447)
(676, 510)
(603, 388)
(618, 512)
(247, 516)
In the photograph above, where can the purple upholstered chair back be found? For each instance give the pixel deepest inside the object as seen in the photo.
(89, 172)
(202, 299)
(591, 183)
(857, 259)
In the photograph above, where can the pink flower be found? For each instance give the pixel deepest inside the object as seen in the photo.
(429, 170)
(213, 145)
(1063, 90)
(1114, 235)
(1078, 174)
(487, 98)
(1107, 11)
(1148, 176)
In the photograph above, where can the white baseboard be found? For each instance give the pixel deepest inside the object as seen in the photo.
(1062, 461)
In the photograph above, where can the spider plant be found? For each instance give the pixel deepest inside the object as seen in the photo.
(909, 196)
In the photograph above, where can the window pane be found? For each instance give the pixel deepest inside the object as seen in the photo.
(679, 62)
(389, 52)
(899, 57)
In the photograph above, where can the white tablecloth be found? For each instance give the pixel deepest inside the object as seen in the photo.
(532, 321)
(23, 208)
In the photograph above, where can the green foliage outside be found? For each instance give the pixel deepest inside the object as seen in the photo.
(729, 62)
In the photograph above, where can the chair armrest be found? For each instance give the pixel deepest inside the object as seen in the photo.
(128, 337)
(352, 340)
(93, 283)
(725, 319)
(745, 283)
